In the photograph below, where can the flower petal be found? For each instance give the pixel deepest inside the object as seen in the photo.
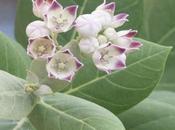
(110, 7)
(72, 10)
(127, 33)
(55, 6)
(119, 20)
(135, 44)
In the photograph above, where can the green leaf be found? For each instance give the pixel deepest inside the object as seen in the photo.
(13, 57)
(15, 103)
(121, 90)
(23, 124)
(38, 68)
(159, 26)
(64, 112)
(25, 16)
(155, 113)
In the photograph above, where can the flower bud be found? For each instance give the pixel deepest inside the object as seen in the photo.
(87, 25)
(37, 29)
(88, 45)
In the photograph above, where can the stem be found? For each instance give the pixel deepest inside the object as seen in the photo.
(54, 37)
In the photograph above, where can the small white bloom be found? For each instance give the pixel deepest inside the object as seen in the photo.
(40, 7)
(87, 25)
(37, 29)
(42, 47)
(63, 66)
(88, 45)
(110, 57)
(59, 19)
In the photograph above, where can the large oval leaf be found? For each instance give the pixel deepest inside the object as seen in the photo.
(121, 90)
(15, 103)
(63, 112)
(155, 113)
(13, 57)
(25, 16)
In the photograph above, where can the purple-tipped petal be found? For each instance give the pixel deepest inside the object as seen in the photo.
(49, 1)
(69, 78)
(131, 34)
(135, 44)
(72, 10)
(55, 5)
(38, 2)
(119, 49)
(78, 64)
(67, 51)
(120, 64)
(110, 7)
(121, 16)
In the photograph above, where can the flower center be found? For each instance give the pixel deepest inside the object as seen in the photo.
(41, 48)
(105, 56)
(61, 66)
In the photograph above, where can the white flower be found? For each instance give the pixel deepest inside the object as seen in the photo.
(88, 45)
(87, 25)
(63, 65)
(40, 7)
(59, 19)
(110, 57)
(42, 47)
(37, 29)
(123, 38)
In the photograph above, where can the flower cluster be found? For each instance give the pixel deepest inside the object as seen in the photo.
(98, 38)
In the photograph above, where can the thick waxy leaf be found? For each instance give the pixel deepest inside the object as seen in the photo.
(159, 26)
(121, 90)
(25, 16)
(63, 112)
(23, 124)
(13, 57)
(15, 103)
(38, 67)
(155, 113)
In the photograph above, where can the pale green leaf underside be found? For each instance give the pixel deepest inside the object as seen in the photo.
(13, 58)
(23, 124)
(121, 90)
(64, 112)
(15, 103)
(155, 113)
